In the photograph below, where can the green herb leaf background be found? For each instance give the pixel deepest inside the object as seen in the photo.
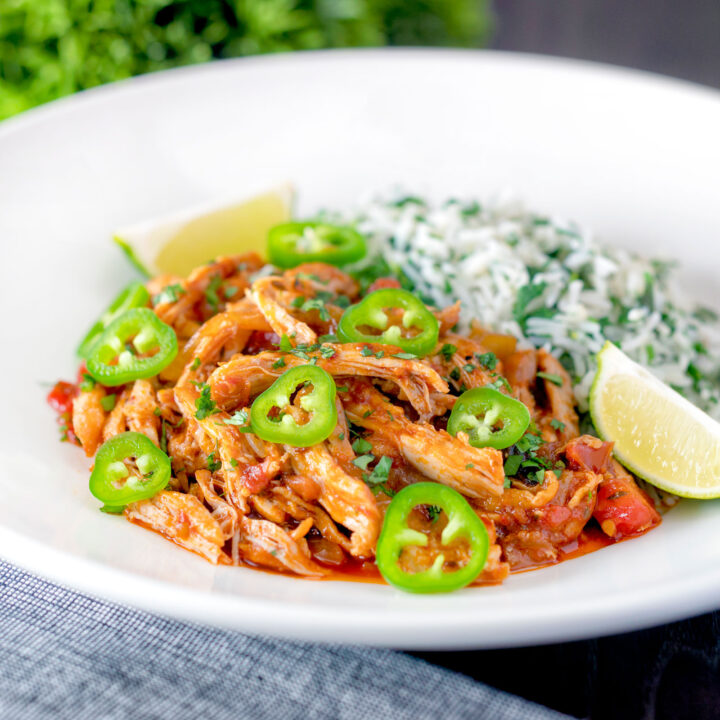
(51, 48)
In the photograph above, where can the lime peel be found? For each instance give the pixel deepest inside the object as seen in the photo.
(175, 244)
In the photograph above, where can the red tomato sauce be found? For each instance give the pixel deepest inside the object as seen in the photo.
(590, 540)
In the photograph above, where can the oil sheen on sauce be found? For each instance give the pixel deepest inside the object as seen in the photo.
(590, 540)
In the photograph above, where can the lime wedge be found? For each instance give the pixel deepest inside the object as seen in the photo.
(179, 243)
(658, 434)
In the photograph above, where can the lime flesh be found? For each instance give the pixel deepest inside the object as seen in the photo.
(658, 434)
(175, 245)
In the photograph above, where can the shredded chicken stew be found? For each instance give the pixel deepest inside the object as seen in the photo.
(301, 482)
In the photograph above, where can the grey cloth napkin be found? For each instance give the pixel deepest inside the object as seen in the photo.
(65, 655)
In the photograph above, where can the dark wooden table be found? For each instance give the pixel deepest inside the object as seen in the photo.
(670, 672)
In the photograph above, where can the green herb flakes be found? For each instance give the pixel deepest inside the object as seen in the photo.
(239, 417)
(169, 294)
(554, 379)
(204, 403)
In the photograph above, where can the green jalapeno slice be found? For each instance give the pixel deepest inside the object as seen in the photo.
(294, 243)
(134, 295)
(269, 421)
(462, 524)
(489, 418)
(128, 467)
(372, 313)
(133, 346)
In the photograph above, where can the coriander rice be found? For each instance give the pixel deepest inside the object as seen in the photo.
(548, 283)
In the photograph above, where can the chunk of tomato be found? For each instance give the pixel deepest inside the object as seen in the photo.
(60, 398)
(588, 453)
(623, 509)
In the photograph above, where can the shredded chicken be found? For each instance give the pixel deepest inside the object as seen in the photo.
(183, 519)
(235, 381)
(89, 419)
(347, 499)
(236, 498)
(472, 471)
(266, 543)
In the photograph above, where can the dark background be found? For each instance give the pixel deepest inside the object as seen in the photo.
(672, 37)
(671, 672)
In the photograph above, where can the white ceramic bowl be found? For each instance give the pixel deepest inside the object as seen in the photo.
(635, 157)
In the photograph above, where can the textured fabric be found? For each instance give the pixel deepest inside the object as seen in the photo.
(66, 655)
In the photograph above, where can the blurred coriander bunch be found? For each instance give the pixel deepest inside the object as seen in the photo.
(50, 48)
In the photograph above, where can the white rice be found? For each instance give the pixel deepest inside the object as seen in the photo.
(582, 293)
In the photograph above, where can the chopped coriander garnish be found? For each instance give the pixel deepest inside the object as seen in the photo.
(233, 462)
(239, 417)
(468, 368)
(529, 442)
(327, 351)
(285, 345)
(362, 461)
(341, 436)
(367, 413)
(405, 356)
(557, 424)
(211, 292)
(279, 363)
(212, 464)
(501, 382)
(447, 351)
(469, 466)
(204, 403)
(433, 512)
(330, 338)
(195, 364)
(163, 435)
(361, 446)
(306, 305)
(526, 294)
(228, 292)
(696, 376)
(488, 360)
(112, 510)
(88, 383)
(554, 379)
(313, 277)
(366, 351)
(407, 200)
(108, 402)
(170, 293)
(343, 388)
(512, 464)
(455, 374)
(380, 472)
